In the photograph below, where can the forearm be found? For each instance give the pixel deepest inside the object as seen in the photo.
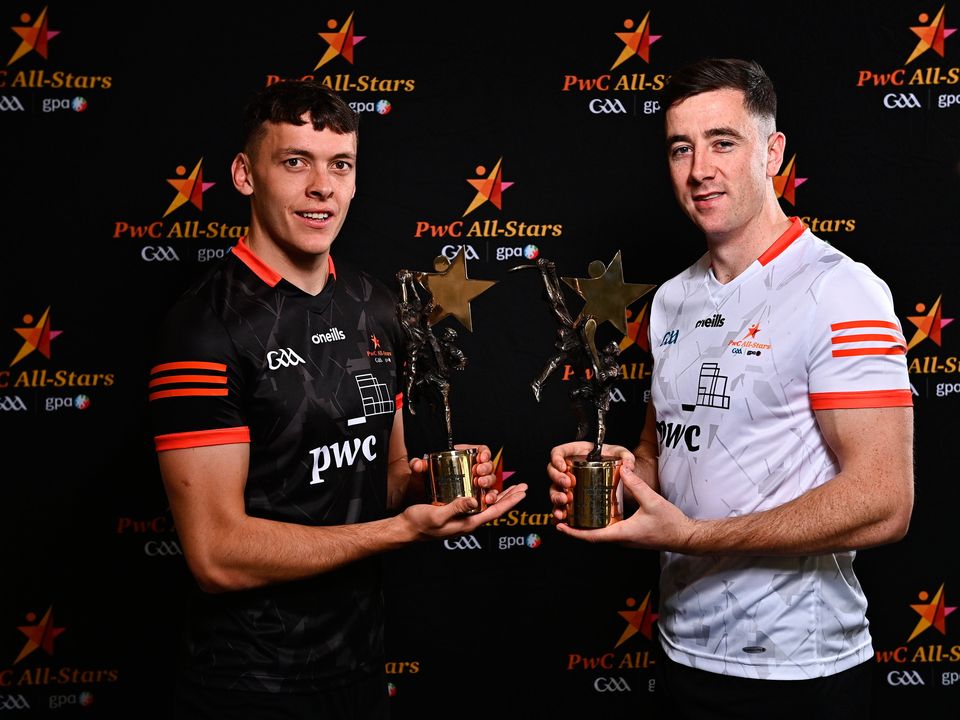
(253, 551)
(843, 514)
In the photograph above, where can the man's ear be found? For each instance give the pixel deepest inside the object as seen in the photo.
(242, 173)
(776, 145)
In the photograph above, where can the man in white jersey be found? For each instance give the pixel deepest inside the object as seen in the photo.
(779, 435)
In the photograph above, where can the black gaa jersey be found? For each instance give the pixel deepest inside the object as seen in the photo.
(311, 383)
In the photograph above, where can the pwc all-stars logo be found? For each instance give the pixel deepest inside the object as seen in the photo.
(925, 44)
(182, 206)
(639, 618)
(630, 71)
(929, 630)
(340, 39)
(489, 184)
(785, 186)
(30, 44)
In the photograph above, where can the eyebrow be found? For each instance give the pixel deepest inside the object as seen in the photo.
(290, 151)
(711, 133)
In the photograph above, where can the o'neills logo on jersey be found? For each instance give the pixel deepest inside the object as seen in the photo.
(931, 613)
(41, 633)
(639, 618)
(338, 49)
(35, 37)
(715, 321)
(334, 334)
(340, 455)
(628, 51)
(38, 335)
(924, 46)
(489, 186)
(189, 189)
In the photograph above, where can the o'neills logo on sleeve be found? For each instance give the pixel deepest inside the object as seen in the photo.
(489, 186)
(339, 50)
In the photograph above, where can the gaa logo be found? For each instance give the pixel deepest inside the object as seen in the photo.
(613, 684)
(10, 103)
(607, 106)
(904, 677)
(466, 542)
(900, 101)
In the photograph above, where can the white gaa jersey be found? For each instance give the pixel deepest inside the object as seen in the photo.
(739, 370)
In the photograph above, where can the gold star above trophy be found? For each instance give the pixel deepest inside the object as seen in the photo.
(595, 501)
(426, 298)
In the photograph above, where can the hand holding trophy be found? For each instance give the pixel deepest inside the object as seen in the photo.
(596, 501)
(425, 299)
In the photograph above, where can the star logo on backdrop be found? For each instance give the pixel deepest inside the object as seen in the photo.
(40, 635)
(928, 325)
(637, 330)
(189, 189)
(932, 35)
(932, 614)
(36, 337)
(607, 296)
(489, 188)
(452, 290)
(639, 620)
(786, 183)
(33, 37)
(636, 42)
(499, 473)
(340, 42)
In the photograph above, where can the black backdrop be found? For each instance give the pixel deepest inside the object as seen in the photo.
(514, 619)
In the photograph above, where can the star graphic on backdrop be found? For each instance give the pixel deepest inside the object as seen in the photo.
(933, 613)
(452, 290)
(189, 189)
(40, 635)
(489, 188)
(931, 36)
(341, 42)
(637, 330)
(499, 472)
(929, 325)
(33, 37)
(786, 183)
(37, 337)
(636, 42)
(607, 296)
(640, 620)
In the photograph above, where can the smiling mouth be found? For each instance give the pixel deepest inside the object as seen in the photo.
(707, 196)
(314, 215)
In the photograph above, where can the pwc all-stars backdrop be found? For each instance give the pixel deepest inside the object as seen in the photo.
(510, 135)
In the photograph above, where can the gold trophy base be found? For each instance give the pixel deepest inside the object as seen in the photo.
(451, 477)
(596, 501)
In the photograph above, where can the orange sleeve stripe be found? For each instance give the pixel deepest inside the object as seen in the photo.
(190, 365)
(168, 379)
(864, 323)
(861, 399)
(870, 351)
(185, 392)
(865, 337)
(202, 438)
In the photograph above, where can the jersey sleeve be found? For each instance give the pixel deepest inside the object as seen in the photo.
(194, 385)
(858, 352)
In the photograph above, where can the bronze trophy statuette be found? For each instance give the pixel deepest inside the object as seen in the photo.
(596, 499)
(426, 299)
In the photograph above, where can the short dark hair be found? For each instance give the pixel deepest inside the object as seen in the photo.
(708, 74)
(288, 101)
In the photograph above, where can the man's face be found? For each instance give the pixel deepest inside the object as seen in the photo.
(301, 181)
(721, 161)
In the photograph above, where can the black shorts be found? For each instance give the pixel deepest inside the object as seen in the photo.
(365, 699)
(690, 694)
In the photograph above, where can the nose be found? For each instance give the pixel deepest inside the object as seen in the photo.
(319, 186)
(701, 168)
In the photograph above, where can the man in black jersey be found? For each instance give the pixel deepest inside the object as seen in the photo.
(275, 398)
